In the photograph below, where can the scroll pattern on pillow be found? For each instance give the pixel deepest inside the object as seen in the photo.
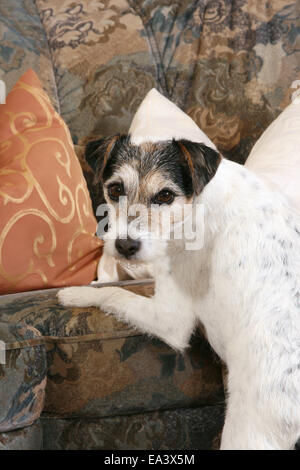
(47, 226)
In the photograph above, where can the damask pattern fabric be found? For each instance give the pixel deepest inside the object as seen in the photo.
(27, 438)
(47, 227)
(181, 429)
(229, 65)
(24, 45)
(99, 367)
(22, 376)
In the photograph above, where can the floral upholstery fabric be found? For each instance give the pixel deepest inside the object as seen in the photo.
(105, 377)
(97, 366)
(27, 438)
(180, 429)
(22, 376)
(231, 66)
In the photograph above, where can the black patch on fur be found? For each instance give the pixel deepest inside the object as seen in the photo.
(98, 154)
(95, 155)
(190, 169)
(167, 158)
(92, 153)
(205, 162)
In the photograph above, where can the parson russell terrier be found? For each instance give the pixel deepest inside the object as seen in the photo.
(242, 285)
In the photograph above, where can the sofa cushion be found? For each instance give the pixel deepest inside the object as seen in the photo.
(181, 429)
(47, 224)
(100, 367)
(22, 376)
(27, 438)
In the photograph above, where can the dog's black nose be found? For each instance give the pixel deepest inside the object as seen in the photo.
(127, 247)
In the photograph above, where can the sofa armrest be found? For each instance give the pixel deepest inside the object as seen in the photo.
(22, 375)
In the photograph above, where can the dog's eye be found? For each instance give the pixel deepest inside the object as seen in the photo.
(115, 191)
(164, 197)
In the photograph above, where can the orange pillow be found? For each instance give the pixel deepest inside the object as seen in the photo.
(47, 226)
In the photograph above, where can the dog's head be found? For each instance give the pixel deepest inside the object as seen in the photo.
(164, 177)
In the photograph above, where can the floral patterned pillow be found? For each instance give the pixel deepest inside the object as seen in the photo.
(47, 226)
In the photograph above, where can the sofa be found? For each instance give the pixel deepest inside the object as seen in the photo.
(77, 378)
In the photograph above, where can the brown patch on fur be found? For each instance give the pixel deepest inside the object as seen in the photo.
(149, 185)
(109, 149)
(187, 156)
(109, 146)
(203, 163)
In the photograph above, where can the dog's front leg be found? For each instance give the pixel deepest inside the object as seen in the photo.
(243, 431)
(152, 315)
(248, 427)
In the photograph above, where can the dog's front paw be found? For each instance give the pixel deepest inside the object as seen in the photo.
(103, 297)
(77, 296)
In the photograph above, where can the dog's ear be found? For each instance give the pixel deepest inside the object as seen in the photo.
(91, 153)
(98, 152)
(202, 161)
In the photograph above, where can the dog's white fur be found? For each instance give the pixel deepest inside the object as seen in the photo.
(243, 286)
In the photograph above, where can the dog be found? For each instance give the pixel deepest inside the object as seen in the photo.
(242, 286)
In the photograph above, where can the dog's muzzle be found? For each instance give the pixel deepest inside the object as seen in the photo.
(127, 247)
